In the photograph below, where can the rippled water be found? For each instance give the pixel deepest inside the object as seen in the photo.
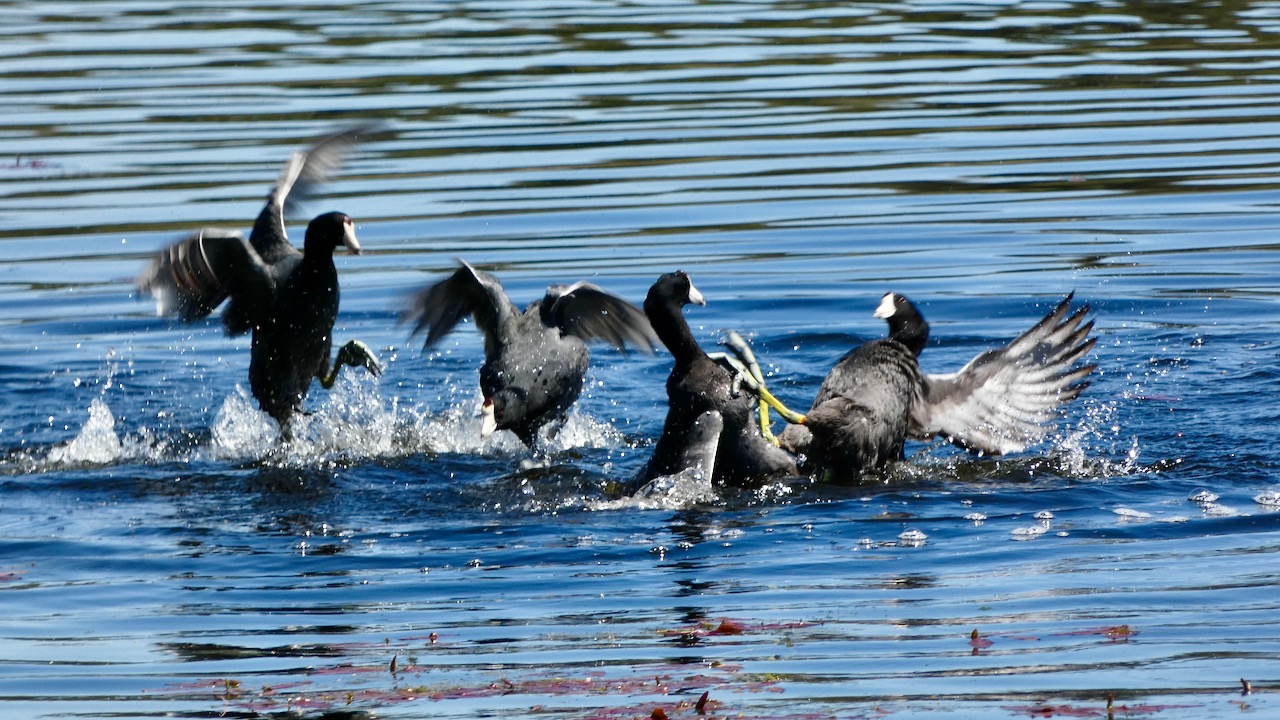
(163, 553)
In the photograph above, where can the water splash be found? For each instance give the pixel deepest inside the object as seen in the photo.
(241, 430)
(583, 431)
(456, 429)
(353, 420)
(1090, 447)
(97, 442)
(669, 492)
(1268, 498)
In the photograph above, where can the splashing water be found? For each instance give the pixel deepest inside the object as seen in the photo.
(96, 443)
(354, 420)
(583, 431)
(1086, 449)
(240, 429)
(668, 492)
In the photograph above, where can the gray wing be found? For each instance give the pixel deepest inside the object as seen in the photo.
(191, 277)
(437, 309)
(302, 173)
(590, 313)
(1008, 399)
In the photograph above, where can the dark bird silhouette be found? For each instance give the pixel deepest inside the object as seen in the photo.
(700, 387)
(1002, 401)
(288, 299)
(535, 360)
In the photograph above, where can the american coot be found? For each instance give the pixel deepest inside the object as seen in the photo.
(1002, 401)
(698, 385)
(535, 361)
(287, 298)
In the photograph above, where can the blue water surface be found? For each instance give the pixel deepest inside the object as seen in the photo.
(164, 553)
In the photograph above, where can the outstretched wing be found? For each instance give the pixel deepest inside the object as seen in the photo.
(191, 277)
(301, 174)
(590, 313)
(1007, 399)
(437, 309)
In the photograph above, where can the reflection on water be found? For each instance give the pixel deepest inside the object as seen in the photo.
(167, 555)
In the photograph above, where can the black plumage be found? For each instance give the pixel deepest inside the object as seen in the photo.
(906, 324)
(535, 360)
(696, 465)
(1002, 401)
(859, 420)
(288, 299)
(698, 385)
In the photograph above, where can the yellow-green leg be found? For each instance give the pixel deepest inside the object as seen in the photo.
(744, 363)
(355, 354)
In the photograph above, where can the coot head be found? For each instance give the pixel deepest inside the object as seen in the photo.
(906, 324)
(508, 408)
(330, 231)
(673, 288)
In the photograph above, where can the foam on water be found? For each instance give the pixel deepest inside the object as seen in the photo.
(1269, 498)
(1030, 532)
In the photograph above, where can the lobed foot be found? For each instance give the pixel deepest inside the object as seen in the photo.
(747, 374)
(355, 354)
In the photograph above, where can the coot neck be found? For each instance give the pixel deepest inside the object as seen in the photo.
(265, 237)
(667, 319)
(912, 334)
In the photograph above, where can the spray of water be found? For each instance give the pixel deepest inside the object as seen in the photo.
(97, 442)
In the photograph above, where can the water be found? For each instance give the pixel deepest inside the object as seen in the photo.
(164, 554)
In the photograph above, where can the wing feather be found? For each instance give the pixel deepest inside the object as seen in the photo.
(591, 313)
(192, 277)
(1007, 399)
(302, 173)
(438, 308)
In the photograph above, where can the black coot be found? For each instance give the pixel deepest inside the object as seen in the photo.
(1002, 401)
(535, 360)
(699, 387)
(288, 299)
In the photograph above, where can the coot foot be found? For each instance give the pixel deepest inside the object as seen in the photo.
(355, 354)
(748, 374)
